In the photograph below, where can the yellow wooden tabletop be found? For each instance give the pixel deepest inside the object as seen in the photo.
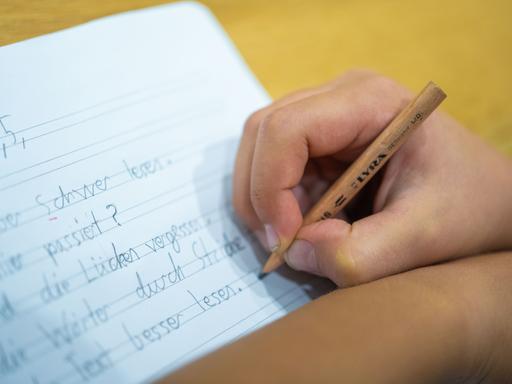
(465, 46)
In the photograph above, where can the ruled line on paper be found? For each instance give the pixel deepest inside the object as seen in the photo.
(172, 160)
(40, 247)
(214, 258)
(104, 113)
(117, 238)
(207, 222)
(34, 294)
(195, 77)
(133, 140)
(133, 352)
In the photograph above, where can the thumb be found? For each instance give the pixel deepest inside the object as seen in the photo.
(379, 245)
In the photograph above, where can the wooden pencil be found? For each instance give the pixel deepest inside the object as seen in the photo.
(368, 163)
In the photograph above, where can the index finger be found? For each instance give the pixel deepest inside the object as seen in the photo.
(243, 163)
(343, 120)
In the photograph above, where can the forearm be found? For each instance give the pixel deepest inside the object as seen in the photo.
(504, 227)
(427, 325)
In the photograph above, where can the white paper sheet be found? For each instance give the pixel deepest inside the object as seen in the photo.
(119, 256)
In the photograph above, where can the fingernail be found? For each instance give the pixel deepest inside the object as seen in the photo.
(272, 238)
(262, 238)
(301, 256)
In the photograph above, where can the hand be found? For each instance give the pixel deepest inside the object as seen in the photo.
(444, 194)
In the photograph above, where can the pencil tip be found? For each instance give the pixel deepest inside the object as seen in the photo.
(262, 275)
(273, 262)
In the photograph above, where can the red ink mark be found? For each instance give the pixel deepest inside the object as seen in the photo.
(53, 218)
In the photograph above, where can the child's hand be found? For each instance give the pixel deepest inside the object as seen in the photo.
(444, 194)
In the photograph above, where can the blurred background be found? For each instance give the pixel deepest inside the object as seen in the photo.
(464, 46)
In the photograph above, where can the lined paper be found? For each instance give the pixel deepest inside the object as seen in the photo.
(120, 258)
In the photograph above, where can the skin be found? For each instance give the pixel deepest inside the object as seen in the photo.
(444, 195)
(447, 323)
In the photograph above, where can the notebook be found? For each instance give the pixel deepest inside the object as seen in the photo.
(120, 256)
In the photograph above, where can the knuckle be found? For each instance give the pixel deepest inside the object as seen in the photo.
(338, 262)
(365, 79)
(361, 73)
(385, 84)
(253, 121)
(301, 93)
(355, 75)
(347, 271)
(274, 121)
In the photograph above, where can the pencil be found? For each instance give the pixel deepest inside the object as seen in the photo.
(368, 163)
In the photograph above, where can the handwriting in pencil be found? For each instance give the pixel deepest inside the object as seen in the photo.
(7, 137)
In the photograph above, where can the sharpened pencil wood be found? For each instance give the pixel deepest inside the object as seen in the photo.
(368, 163)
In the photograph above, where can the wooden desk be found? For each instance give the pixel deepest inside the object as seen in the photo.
(464, 46)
